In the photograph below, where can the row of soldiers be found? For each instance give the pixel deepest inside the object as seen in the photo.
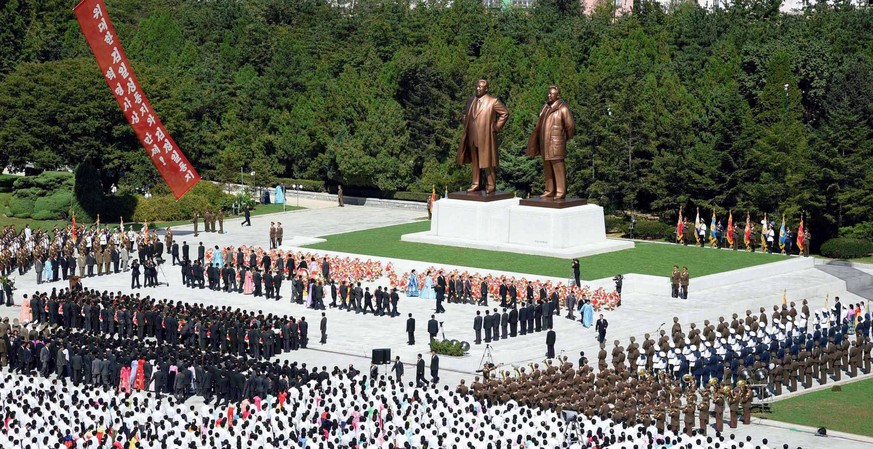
(209, 220)
(653, 393)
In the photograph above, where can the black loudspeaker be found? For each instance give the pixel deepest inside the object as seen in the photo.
(381, 356)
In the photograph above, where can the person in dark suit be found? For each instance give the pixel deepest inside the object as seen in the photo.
(174, 251)
(513, 322)
(397, 368)
(185, 251)
(394, 299)
(575, 267)
(201, 253)
(247, 213)
(432, 327)
(600, 327)
(550, 344)
(304, 332)
(410, 330)
(323, 328)
(486, 323)
(419, 372)
(325, 269)
(434, 367)
(483, 294)
(477, 327)
(440, 292)
(503, 291)
(504, 325)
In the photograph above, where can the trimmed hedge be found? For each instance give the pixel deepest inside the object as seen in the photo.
(308, 184)
(649, 230)
(7, 182)
(846, 248)
(447, 348)
(412, 196)
(614, 224)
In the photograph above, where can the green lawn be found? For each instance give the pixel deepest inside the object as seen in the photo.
(646, 258)
(846, 411)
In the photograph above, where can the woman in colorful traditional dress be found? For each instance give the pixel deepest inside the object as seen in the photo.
(412, 285)
(427, 291)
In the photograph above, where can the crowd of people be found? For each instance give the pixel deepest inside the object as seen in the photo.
(748, 236)
(475, 288)
(341, 408)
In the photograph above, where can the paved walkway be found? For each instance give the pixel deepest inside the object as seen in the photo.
(351, 337)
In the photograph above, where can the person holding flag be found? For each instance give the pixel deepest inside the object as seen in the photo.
(747, 233)
(680, 229)
(713, 232)
(764, 233)
(730, 231)
(782, 236)
(430, 202)
(800, 234)
(697, 231)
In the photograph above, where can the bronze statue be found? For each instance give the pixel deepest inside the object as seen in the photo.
(554, 128)
(484, 117)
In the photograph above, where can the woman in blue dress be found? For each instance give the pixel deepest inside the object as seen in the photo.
(587, 314)
(412, 285)
(47, 271)
(427, 291)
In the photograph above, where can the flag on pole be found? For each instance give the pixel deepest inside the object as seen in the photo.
(713, 235)
(432, 198)
(74, 227)
(730, 228)
(680, 228)
(800, 232)
(121, 219)
(145, 229)
(697, 227)
(826, 303)
(764, 231)
(447, 192)
(785, 297)
(747, 234)
(782, 237)
(98, 221)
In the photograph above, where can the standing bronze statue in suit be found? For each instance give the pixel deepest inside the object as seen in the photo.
(484, 117)
(554, 128)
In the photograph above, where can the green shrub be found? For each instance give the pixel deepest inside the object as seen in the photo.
(412, 196)
(846, 248)
(166, 208)
(859, 231)
(447, 348)
(54, 206)
(21, 206)
(614, 223)
(649, 230)
(308, 184)
(7, 182)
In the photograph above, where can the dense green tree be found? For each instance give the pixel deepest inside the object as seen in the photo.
(675, 107)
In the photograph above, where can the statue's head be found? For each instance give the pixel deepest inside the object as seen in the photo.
(554, 94)
(481, 88)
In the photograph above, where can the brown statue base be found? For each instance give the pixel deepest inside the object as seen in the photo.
(552, 203)
(481, 196)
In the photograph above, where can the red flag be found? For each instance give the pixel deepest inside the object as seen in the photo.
(74, 227)
(680, 228)
(800, 232)
(730, 229)
(173, 166)
(747, 234)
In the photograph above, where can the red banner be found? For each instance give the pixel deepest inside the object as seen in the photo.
(173, 166)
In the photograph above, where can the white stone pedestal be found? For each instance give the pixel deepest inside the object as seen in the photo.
(507, 226)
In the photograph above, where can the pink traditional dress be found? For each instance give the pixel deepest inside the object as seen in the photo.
(249, 285)
(124, 384)
(26, 312)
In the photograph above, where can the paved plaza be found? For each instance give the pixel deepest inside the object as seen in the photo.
(646, 304)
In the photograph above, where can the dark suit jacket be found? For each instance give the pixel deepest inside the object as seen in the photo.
(477, 322)
(432, 327)
(410, 325)
(434, 365)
